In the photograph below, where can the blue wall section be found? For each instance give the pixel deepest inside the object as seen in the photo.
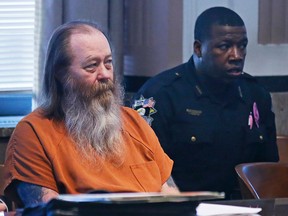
(15, 104)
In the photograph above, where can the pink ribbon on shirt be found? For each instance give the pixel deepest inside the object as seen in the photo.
(256, 114)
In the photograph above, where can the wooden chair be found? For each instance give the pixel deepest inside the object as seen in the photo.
(263, 180)
(282, 143)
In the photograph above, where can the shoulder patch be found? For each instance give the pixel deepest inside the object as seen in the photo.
(145, 107)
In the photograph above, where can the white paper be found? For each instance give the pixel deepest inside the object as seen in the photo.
(1, 213)
(205, 209)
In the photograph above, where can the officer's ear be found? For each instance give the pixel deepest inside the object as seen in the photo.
(197, 48)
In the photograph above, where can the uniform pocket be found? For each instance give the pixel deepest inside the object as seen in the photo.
(148, 176)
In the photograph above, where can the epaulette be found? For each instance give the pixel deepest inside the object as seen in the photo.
(164, 78)
(172, 75)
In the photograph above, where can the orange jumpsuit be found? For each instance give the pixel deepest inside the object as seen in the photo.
(40, 152)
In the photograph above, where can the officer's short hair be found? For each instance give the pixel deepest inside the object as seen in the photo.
(215, 16)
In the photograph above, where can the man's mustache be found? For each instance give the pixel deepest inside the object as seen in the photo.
(103, 87)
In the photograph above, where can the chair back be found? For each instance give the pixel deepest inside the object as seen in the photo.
(263, 180)
(282, 143)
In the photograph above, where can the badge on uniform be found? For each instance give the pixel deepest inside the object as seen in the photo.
(145, 107)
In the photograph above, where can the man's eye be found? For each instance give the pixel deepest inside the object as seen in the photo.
(223, 46)
(109, 63)
(243, 46)
(91, 67)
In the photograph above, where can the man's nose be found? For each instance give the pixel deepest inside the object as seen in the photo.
(236, 53)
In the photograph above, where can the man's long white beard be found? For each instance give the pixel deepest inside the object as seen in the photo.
(93, 119)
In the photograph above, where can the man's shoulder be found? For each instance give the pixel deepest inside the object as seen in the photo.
(253, 86)
(128, 112)
(35, 116)
(133, 122)
(165, 78)
(130, 115)
(251, 81)
(39, 122)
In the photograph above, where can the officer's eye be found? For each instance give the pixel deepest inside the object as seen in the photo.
(224, 46)
(243, 46)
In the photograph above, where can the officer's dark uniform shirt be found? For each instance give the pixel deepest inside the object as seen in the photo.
(205, 138)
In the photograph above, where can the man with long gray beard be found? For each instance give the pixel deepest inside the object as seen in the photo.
(81, 138)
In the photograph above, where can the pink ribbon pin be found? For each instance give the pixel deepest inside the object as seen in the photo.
(256, 114)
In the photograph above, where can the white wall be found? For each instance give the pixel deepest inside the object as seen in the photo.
(261, 60)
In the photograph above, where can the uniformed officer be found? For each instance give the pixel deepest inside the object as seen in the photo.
(207, 113)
